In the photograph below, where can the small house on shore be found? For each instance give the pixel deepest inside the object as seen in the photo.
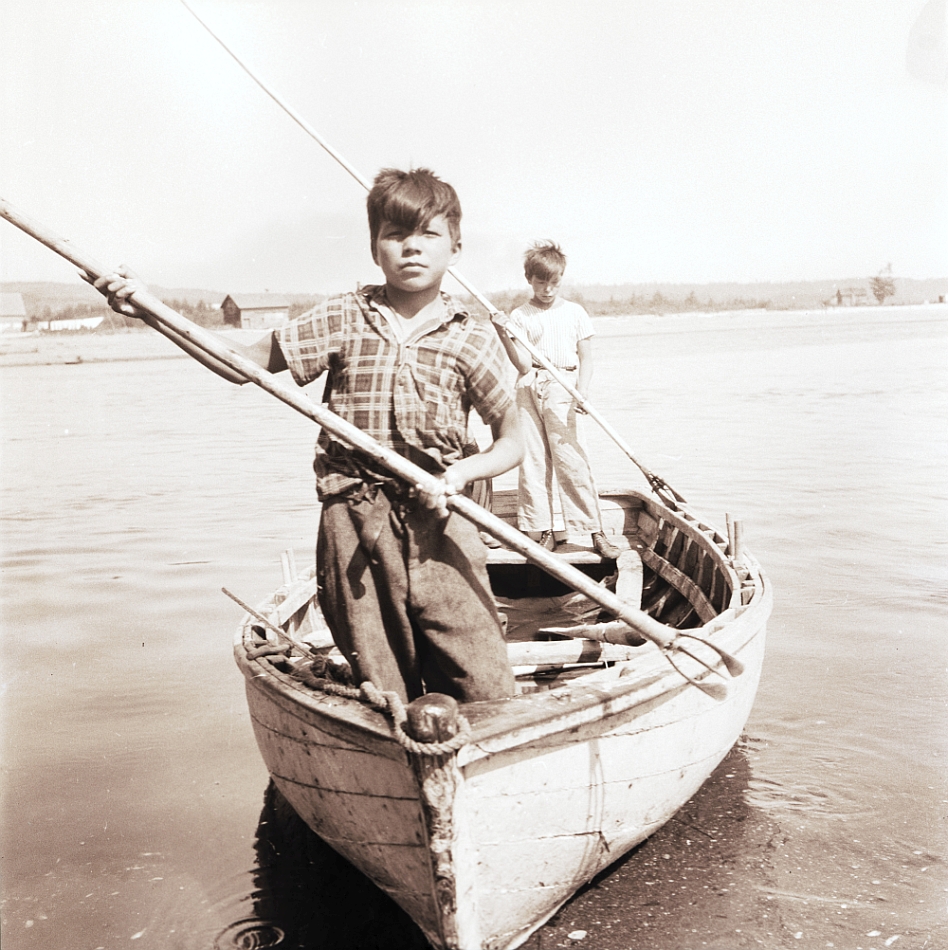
(12, 313)
(255, 311)
(851, 297)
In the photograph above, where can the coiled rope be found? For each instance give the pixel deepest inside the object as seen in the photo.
(389, 703)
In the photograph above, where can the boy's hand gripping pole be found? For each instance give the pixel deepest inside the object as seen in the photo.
(170, 322)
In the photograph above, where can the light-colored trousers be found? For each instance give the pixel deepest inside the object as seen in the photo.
(555, 464)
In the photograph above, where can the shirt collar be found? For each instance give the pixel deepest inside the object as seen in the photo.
(375, 293)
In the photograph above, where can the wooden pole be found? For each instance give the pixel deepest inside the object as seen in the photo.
(661, 635)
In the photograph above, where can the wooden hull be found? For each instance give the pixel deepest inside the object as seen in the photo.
(482, 847)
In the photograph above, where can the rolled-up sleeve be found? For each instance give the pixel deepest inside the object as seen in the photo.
(309, 341)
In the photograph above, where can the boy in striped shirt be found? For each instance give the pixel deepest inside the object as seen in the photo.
(555, 462)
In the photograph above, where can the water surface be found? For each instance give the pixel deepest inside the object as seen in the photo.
(134, 799)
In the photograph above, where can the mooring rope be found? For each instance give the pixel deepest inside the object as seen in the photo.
(386, 702)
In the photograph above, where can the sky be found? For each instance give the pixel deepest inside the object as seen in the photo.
(685, 141)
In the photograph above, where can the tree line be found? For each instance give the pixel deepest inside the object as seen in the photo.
(657, 303)
(207, 314)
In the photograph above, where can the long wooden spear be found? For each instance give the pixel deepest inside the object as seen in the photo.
(174, 325)
(661, 488)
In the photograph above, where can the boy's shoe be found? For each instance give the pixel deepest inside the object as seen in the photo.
(489, 540)
(549, 542)
(603, 547)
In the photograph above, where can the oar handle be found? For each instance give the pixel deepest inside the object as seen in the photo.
(88, 265)
(55, 243)
(659, 634)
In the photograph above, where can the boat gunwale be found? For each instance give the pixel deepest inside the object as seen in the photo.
(705, 535)
(619, 694)
(552, 711)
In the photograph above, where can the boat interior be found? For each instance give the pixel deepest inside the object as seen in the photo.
(687, 576)
(674, 568)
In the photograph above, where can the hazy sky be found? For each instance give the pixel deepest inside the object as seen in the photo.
(672, 140)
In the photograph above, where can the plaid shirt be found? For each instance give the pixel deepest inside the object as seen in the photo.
(412, 396)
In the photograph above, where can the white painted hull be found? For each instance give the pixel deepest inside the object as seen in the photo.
(481, 848)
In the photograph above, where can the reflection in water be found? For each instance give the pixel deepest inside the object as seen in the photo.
(307, 896)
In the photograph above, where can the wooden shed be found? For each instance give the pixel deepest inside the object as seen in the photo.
(255, 311)
(851, 297)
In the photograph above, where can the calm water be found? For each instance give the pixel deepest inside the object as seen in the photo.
(133, 807)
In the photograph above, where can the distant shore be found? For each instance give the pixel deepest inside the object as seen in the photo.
(77, 347)
(67, 347)
(737, 320)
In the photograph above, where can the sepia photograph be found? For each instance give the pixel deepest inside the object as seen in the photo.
(474, 474)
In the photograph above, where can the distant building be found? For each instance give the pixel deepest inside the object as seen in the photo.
(851, 297)
(12, 313)
(255, 311)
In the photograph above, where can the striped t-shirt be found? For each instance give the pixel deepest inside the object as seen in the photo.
(555, 333)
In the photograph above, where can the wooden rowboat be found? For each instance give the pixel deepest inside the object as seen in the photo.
(483, 842)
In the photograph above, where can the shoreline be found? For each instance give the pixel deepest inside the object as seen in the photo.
(77, 347)
(756, 319)
(65, 348)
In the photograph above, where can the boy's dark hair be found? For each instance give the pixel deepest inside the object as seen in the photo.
(544, 260)
(410, 200)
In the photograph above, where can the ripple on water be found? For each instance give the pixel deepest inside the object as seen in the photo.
(301, 893)
(249, 934)
(777, 798)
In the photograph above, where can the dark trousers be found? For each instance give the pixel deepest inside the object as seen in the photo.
(407, 598)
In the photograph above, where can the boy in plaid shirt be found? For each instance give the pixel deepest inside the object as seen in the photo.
(402, 581)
